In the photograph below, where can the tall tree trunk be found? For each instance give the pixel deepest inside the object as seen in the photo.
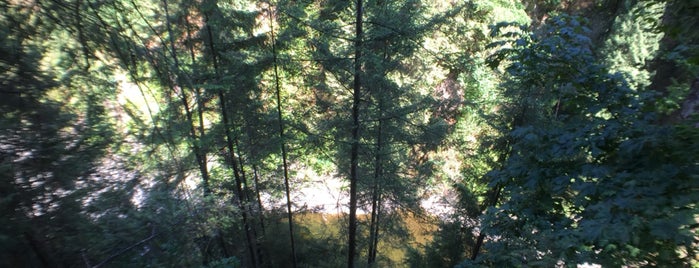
(200, 156)
(230, 141)
(247, 204)
(200, 110)
(494, 193)
(376, 190)
(283, 145)
(354, 153)
(493, 200)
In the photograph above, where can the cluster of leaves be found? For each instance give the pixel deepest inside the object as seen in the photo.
(588, 176)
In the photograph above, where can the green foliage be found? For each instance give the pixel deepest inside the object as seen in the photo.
(634, 41)
(588, 177)
(230, 262)
(114, 149)
(50, 143)
(677, 65)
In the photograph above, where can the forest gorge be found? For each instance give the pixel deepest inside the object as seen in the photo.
(335, 133)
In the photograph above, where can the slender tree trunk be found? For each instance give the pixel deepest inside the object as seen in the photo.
(256, 179)
(230, 141)
(376, 190)
(494, 194)
(247, 206)
(354, 153)
(494, 197)
(200, 110)
(200, 156)
(378, 223)
(374, 225)
(282, 144)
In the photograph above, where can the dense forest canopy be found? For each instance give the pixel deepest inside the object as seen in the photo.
(333, 133)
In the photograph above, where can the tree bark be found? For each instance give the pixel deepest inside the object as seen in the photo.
(354, 153)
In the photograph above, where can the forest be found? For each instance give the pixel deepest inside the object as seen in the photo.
(335, 133)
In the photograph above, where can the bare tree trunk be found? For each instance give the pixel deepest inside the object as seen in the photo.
(354, 154)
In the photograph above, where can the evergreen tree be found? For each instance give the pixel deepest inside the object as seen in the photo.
(634, 41)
